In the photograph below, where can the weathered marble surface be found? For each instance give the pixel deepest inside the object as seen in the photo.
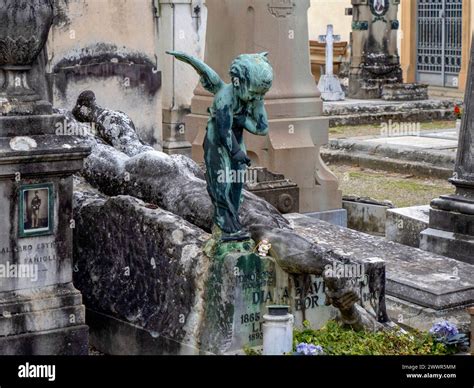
(420, 277)
(180, 302)
(173, 182)
(142, 265)
(159, 208)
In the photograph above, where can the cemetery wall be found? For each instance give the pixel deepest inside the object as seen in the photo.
(109, 47)
(324, 12)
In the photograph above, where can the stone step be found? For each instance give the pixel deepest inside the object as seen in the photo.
(440, 92)
(67, 341)
(43, 320)
(423, 278)
(348, 106)
(40, 309)
(38, 299)
(404, 225)
(377, 118)
(385, 164)
(358, 112)
(372, 153)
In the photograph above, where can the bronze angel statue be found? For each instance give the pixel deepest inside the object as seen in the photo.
(237, 106)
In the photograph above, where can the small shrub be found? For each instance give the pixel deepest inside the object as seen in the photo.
(337, 340)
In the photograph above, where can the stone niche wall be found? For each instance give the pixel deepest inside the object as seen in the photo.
(108, 46)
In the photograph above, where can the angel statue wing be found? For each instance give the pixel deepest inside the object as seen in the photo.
(210, 80)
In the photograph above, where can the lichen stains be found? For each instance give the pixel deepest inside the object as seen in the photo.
(61, 10)
(104, 60)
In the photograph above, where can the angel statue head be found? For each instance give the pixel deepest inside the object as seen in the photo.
(252, 76)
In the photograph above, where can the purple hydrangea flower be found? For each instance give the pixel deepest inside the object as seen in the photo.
(444, 329)
(309, 349)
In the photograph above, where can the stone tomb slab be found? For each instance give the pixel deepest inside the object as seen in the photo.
(413, 275)
(450, 134)
(416, 141)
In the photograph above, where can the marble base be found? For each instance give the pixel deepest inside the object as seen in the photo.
(336, 217)
(113, 336)
(451, 228)
(456, 246)
(71, 341)
(45, 321)
(330, 88)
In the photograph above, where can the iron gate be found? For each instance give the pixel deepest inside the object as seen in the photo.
(439, 41)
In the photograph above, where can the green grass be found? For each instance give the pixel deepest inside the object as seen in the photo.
(402, 190)
(347, 131)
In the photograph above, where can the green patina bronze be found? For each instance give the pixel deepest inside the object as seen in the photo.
(237, 106)
(360, 25)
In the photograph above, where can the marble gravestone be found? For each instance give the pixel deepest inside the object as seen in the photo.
(451, 224)
(41, 313)
(374, 55)
(294, 106)
(242, 285)
(329, 85)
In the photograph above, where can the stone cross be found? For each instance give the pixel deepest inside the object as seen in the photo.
(329, 39)
(329, 84)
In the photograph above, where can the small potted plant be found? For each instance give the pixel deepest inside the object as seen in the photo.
(458, 111)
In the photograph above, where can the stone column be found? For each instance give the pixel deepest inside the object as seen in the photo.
(297, 129)
(182, 25)
(451, 226)
(41, 313)
(408, 40)
(374, 55)
(466, 42)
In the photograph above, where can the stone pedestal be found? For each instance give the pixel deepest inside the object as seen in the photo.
(294, 106)
(41, 313)
(451, 226)
(374, 55)
(275, 189)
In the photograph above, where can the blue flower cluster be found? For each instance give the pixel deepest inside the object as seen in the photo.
(448, 334)
(444, 329)
(309, 349)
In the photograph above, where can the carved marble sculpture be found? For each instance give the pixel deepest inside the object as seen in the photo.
(24, 30)
(176, 184)
(115, 127)
(237, 106)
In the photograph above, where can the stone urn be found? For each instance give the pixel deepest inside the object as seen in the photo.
(24, 29)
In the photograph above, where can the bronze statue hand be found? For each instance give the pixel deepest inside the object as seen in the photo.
(346, 301)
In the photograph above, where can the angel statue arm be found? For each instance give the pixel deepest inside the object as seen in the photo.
(210, 80)
(222, 109)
